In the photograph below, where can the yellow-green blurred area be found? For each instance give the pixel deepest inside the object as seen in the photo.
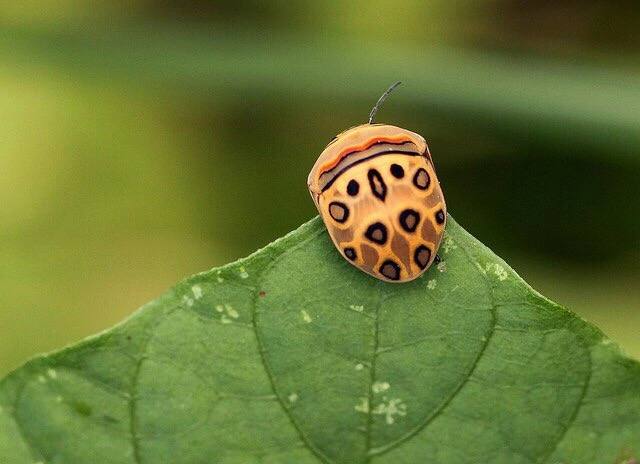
(144, 141)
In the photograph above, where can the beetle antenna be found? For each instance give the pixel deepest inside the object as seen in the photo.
(381, 100)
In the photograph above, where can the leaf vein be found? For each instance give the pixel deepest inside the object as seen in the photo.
(545, 457)
(33, 449)
(372, 373)
(436, 412)
(133, 389)
(263, 359)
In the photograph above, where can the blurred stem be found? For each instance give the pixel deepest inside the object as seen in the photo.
(573, 107)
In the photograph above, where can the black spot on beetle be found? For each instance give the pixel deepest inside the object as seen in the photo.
(440, 217)
(397, 171)
(378, 187)
(421, 179)
(409, 220)
(353, 187)
(338, 211)
(421, 256)
(377, 233)
(390, 270)
(350, 253)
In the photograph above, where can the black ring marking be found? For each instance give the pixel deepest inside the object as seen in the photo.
(355, 163)
(397, 171)
(378, 187)
(421, 179)
(338, 211)
(421, 256)
(390, 270)
(409, 219)
(350, 253)
(353, 187)
(377, 233)
(440, 217)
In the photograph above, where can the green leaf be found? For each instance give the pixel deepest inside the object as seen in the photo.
(293, 356)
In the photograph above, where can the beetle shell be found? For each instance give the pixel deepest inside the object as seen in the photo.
(376, 190)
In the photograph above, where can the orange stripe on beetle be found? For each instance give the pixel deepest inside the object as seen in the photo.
(353, 149)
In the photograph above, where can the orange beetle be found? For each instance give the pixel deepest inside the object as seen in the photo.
(376, 189)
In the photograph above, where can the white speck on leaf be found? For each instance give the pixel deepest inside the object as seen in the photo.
(390, 409)
(42, 379)
(363, 405)
(432, 284)
(188, 300)
(293, 397)
(228, 313)
(219, 278)
(52, 373)
(358, 308)
(359, 366)
(442, 266)
(197, 291)
(243, 272)
(58, 399)
(379, 387)
(449, 245)
(501, 272)
(231, 312)
(305, 316)
(498, 270)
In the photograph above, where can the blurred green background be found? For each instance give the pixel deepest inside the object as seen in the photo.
(143, 141)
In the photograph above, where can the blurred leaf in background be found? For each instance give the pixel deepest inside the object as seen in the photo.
(145, 141)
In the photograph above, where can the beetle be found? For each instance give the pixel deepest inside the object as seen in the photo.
(376, 189)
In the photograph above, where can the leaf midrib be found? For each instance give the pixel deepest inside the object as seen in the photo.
(372, 374)
(454, 393)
